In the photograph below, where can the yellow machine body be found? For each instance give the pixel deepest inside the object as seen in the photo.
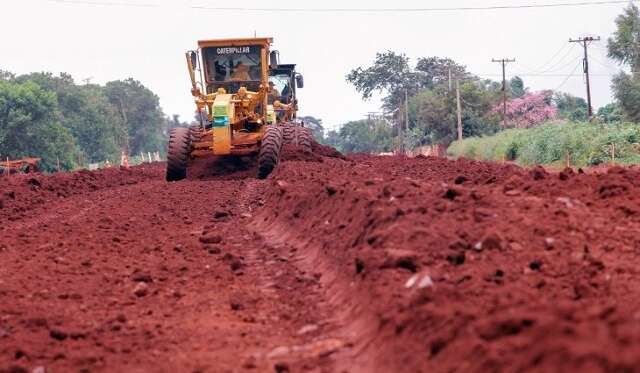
(234, 109)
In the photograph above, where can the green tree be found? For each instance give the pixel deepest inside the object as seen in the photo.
(87, 113)
(432, 71)
(627, 92)
(390, 74)
(624, 45)
(570, 107)
(365, 136)
(610, 113)
(140, 111)
(517, 87)
(29, 126)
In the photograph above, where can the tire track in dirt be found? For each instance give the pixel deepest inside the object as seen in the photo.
(120, 280)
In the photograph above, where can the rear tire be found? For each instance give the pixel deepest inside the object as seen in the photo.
(269, 151)
(298, 136)
(178, 153)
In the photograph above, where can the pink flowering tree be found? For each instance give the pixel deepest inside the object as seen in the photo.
(530, 110)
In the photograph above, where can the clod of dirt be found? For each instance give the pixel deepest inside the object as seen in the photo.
(452, 193)
(460, 179)
(142, 277)
(141, 289)
(549, 243)
(538, 173)
(281, 368)
(331, 190)
(535, 265)
(236, 264)
(58, 334)
(566, 174)
(492, 241)
(211, 238)
(236, 306)
(220, 215)
(456, 258)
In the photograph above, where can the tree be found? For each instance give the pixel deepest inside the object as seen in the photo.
(517, 87)
(362, 136)
(390, 74)
(626, 89)
(86, 111)
(529, 110)
(623, 46)
(431, 71)
(570, 107)
(29, 126)
(140, 111)
(314, 124)
(611, 113)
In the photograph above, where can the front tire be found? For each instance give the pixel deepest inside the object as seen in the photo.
(178, 153)
(269, 155)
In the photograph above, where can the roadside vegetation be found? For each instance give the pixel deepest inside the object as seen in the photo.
(543, 127)
(576, 144)
(52, 117)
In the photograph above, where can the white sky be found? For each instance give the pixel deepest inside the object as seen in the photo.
(109, 42)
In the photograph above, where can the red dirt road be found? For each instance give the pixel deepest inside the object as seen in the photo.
(330, 265)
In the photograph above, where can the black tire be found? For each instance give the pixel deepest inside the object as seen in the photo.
(289, 133)
(304, 139)
(269, 151)
(297, 136)
(178, 153)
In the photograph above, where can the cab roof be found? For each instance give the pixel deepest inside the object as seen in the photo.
(234, 42)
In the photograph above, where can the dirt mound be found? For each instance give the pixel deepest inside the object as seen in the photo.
(227, 168)
(373, 264)
(21, 193)
(326, 151)
(471, 266)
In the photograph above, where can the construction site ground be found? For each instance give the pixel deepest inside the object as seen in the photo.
(363, 264)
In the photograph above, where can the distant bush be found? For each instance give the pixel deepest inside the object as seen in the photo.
(586, 144)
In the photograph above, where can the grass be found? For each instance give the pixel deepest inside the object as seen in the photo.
(586, 144)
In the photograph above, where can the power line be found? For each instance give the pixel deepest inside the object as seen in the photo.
(417, 10)
(105, 3)
(568, 76)
(544, 65)
(359, 10)
(557, 66)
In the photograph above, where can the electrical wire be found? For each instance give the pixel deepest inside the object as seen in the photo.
(105, 3)
(359, 10)
(544, 65)
(568, 77)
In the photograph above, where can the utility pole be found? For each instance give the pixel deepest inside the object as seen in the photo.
(406, 121)
(585, 66)
(504, 62)
(459, 109)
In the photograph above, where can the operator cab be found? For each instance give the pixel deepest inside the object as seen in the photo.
(283, 82)
(231, 67)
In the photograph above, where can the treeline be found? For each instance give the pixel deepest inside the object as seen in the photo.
(51, 117)
(430, 86)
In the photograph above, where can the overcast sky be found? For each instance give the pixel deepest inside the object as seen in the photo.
(109, 42)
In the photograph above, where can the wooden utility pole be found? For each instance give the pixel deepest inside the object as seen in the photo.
(504, 62)
(585, 66)
(406, 121)
(459, 109)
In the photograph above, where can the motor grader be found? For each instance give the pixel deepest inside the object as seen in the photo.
(246, 104)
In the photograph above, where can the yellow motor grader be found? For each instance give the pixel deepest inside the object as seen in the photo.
(246, 102)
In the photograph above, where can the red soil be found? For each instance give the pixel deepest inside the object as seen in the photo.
(365, 264)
